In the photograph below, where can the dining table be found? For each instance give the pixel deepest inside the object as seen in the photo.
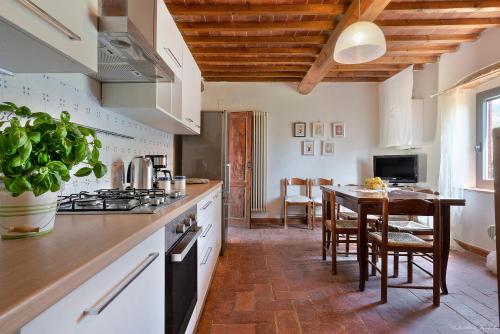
(369, 202)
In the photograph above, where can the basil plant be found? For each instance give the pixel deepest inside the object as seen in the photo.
(39, 153)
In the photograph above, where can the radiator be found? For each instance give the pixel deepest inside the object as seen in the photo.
(259, 149)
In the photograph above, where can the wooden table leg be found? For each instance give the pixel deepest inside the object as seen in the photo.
(362, 247)
(445, 245)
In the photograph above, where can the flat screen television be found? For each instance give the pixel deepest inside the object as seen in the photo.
(396, 168)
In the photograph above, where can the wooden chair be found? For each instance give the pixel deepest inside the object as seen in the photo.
(316, 201)
(296, 200)
(383, 242)
(336, 231)
(410, 225)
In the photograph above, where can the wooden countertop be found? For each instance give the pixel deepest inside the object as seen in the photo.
(35, 273)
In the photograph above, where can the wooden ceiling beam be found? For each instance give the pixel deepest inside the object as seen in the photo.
(266, 74)
(375, 74)
(253, 51)
(369, 10)
(217, 60)
(441, 23)
(254, 68)
(256, 10)
(446, 38)
(444, 6)
(355, 79)
(369, 67)
(389, 60)
(254, 40)
(251, 79)
(188, 27)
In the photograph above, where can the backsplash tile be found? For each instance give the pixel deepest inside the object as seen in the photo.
(53, 93)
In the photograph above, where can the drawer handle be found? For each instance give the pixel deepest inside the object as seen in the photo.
(206, 205)
(206, 232)
(174, 58)
(117, 290)
(49, 19)
(205, 260)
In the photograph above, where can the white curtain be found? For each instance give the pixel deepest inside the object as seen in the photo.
(455, 146)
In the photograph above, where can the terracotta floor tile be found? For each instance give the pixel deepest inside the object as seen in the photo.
(245, 301)
(272, 280)
(287, 322)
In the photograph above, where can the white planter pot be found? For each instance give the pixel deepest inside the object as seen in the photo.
(26, 215)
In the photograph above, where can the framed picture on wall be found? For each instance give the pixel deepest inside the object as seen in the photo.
(299, 129)
(308, 147)
(328, 147)
(338, 129)
(318, 130)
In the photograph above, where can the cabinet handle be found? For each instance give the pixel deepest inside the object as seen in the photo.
(206, 205)
(117, 290)
(174, 58)
(206, 232)
(205, 260)
(49, 19)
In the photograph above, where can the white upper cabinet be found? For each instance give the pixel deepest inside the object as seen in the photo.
(48, 36)
(168, 39)
(401, 116)
(191, 92)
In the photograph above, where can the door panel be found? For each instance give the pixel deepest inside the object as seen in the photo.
(240, 159)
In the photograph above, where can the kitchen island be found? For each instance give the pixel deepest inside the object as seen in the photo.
(36, 273)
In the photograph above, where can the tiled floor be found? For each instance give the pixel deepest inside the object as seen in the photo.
(273, 281)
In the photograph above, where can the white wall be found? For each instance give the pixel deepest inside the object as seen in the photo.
(355, 104)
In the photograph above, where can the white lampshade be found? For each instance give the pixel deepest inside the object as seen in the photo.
(361, 42)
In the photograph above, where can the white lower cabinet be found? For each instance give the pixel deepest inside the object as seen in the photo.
(127, 297)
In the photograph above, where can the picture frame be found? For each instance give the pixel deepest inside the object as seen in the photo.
(338, 129)
(299, 129)
(318, 129)
(308, 147)
(328, 147)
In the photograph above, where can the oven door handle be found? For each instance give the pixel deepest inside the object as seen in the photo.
(184, 246)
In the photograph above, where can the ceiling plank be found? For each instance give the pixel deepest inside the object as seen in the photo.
(368, 67)
(188, 27)
(251, 79)
(253, 51)
(375, 74)
(253, 68)
(444, 6)
(441, 23)
(368, 10)
(254, 74)
(255, 40)
(255, 10)
(447, 38)
(408, 60)
(255, 60)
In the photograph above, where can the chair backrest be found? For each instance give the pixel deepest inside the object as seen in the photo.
(416, 207)
(318, 183)
(295, 181)
(427, 191)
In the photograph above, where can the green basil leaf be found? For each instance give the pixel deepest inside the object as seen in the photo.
(17, 137)
(60, 131)
(80, 151)
(84, 171)
(65, 116)
(25, 151)
(95, 155)
(42, 158)
(23, 111)
(56, 181)
(100, 170)
(19, 185)
(97, 143)
(35, 137)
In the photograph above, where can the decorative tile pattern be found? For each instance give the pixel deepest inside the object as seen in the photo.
(53, 93)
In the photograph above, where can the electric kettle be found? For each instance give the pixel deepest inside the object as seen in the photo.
(140, 173)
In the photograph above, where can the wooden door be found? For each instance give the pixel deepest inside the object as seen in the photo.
(240, 159)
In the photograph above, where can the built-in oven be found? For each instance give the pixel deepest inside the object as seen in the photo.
(181, 272)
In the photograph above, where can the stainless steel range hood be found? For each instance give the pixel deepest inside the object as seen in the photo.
(125, 53)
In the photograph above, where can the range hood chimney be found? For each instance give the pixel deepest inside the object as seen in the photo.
(125, 53)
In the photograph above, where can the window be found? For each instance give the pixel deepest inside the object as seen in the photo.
(488, 118)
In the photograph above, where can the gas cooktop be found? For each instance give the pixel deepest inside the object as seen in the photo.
(104, 201)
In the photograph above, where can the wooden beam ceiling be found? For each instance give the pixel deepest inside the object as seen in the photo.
(241, 51)
(256, 10)
(215, 60)
(209, 27)
(327, 9)
(441, 23)
(369, 10)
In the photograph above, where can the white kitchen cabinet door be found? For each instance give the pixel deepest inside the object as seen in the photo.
(191, 92)
(62, 33)
(137, 308)
(169, 41)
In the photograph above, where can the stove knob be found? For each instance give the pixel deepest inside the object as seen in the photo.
(180, 228)
(187, 222)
